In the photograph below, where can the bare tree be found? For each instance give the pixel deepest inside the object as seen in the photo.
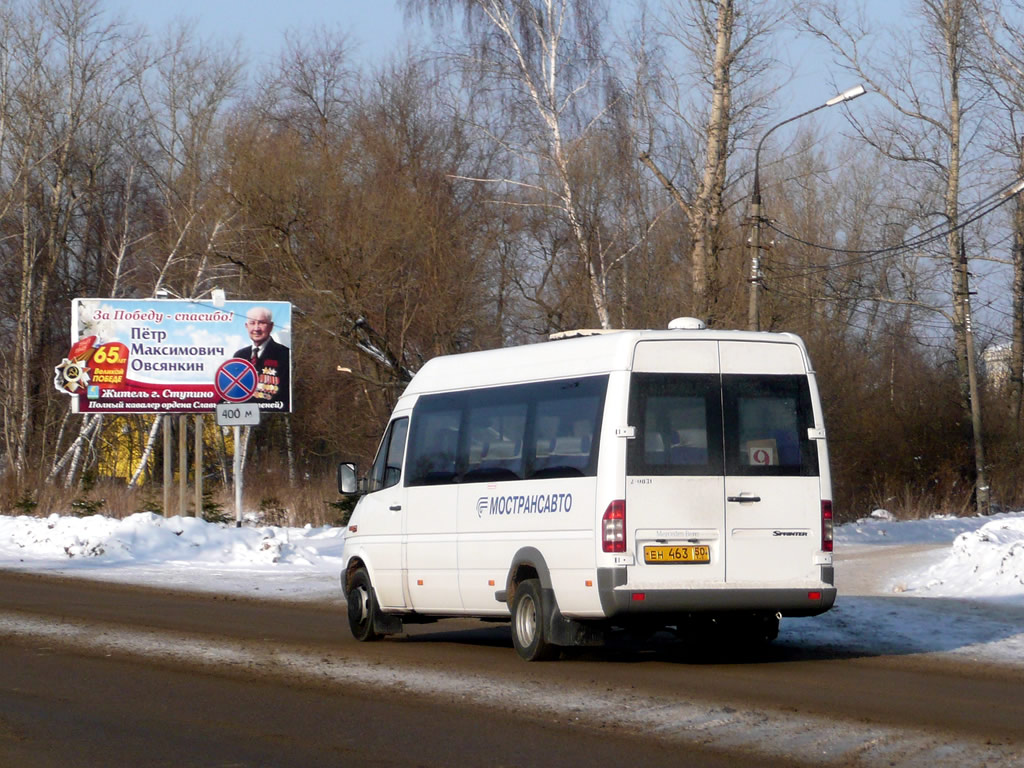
(314, 82)
(363, 228)
(547, 60)
(185, 93)
(921, 82)
(928, 96)
(715, 101)
(64, 70)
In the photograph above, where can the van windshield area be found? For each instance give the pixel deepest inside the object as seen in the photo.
(702, 424)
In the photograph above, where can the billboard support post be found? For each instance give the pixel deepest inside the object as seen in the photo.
(182, 465)
(199, 464)
(168, 469)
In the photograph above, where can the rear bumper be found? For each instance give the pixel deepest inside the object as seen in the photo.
(617, 599)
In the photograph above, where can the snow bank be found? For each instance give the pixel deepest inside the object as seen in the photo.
(148, 538)
(987, 562)
(985, 557)
(881, 529)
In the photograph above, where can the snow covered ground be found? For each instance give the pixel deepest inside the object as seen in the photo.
(944, 585)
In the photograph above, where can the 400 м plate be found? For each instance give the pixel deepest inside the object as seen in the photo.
(677, 554)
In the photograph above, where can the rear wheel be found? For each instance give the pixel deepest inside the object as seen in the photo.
(362, 607)
(528, 622)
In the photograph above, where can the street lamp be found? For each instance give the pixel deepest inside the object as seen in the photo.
(754, 315)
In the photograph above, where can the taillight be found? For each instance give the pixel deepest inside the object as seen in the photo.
(826, 526)
(613, 527)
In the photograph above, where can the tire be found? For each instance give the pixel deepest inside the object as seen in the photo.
(362, 608)
(528, 622)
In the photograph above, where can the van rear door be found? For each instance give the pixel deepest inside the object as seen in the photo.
(675, 480)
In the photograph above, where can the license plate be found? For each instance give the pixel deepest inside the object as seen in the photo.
(678, 554)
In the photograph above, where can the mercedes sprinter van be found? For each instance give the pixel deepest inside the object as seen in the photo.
(631, 479)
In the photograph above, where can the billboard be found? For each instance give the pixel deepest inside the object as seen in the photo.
(177, 356)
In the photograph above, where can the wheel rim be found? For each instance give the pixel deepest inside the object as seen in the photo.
(361, 611)
(526, 621)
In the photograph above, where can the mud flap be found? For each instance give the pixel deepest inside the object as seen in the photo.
(561, 630)
(387, 625)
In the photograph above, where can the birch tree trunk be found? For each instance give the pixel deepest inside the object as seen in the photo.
(949, 22)
(708, 205)
(92, 427)
(147, 452)
(720, 49)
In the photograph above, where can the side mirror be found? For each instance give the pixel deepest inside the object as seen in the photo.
(348, 484)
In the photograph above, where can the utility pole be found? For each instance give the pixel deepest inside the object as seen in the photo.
(982, 491)
(754, 309)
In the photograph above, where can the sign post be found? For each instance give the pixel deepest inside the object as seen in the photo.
(236, 415)
(237, 467)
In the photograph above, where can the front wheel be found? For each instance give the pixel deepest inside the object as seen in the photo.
(362, 607)
(528, 620)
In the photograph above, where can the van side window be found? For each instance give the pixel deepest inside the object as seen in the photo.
(434, 445)
(679, 424)
(516, 432)
(495, 449)
(387, 467)
(766, 422)
(567, 423)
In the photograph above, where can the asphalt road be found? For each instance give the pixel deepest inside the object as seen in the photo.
(96, 674)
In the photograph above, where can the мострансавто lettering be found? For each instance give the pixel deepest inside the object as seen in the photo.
(515, 504)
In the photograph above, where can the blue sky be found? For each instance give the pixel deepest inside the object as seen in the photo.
(376, 26)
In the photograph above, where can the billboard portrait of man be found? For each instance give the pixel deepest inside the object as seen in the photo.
(271, 359)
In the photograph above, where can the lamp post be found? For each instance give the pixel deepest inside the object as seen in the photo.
(754, 310)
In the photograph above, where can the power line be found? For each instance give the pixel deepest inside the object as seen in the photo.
(973, 214)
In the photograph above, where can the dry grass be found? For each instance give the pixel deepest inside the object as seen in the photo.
(908, 502)
(270, 500)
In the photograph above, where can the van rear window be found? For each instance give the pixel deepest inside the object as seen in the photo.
(705, 424)
(679, 424)
(766, 423)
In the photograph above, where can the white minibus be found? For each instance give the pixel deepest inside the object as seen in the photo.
(637, 479)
